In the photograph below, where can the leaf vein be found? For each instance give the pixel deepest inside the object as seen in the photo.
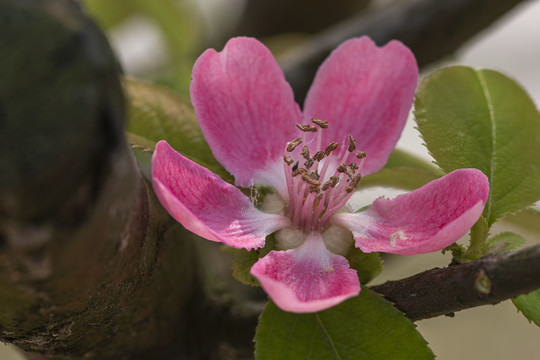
(491, 175)
(328, 336)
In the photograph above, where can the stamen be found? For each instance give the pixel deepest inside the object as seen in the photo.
(330, 183)
(352, 143)
(315, 195)
(288, 160)
(291, 145)
(307, 127)
(305, 152)
(322, 124)
(317, 201)
(342, 168)
(307, 178)
(354, 182)
(333, 146)
(319, 155)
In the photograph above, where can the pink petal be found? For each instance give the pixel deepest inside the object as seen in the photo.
(207, 205)
(306, 279)
(246, 110)
(425, 220)
(366, 91)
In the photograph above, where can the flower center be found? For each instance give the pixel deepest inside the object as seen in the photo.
(319, 184)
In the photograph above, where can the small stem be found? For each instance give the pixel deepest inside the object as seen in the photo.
(479, 234)
(488, 280)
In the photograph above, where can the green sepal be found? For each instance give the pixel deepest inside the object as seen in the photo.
(367, 265)
(243, 260)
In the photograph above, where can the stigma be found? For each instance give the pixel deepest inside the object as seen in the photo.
(319, 182)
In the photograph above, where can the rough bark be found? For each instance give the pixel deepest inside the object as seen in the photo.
(432, 29)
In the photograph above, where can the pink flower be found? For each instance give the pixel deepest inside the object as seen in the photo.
(359, 100)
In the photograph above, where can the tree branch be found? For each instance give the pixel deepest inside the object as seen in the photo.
(485, 281)
(432, 29)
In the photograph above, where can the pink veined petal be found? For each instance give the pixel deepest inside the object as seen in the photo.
(246, 110)
(425, 220)
(207, 205)
(306, 279)
(366, 91)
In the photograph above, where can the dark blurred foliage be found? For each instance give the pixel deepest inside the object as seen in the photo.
(272, 17)
(187, 32)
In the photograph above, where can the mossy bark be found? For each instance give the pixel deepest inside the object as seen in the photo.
(90, 264)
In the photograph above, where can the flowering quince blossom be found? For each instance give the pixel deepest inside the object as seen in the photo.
(354, 114)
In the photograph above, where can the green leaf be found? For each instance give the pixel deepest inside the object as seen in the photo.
(368, 265)
(364, 327)
(503, 243)
(485, 120)
(529, 305)
(157, 114)
(528, 219)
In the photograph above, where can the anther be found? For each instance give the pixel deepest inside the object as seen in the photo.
(307, 127)
(353, 166)
(333, 146)
(310, 180)
(330, 183)
(322, 124)
(291, 145)
(352, 143)
(360, 154)
(305, 152)
(354, 183)
(342, 168)
(309, 163)
(319, 155)
(297, 172)
(314, 189)
(288, 160)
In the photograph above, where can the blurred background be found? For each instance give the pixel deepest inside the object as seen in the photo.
(159, 41)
